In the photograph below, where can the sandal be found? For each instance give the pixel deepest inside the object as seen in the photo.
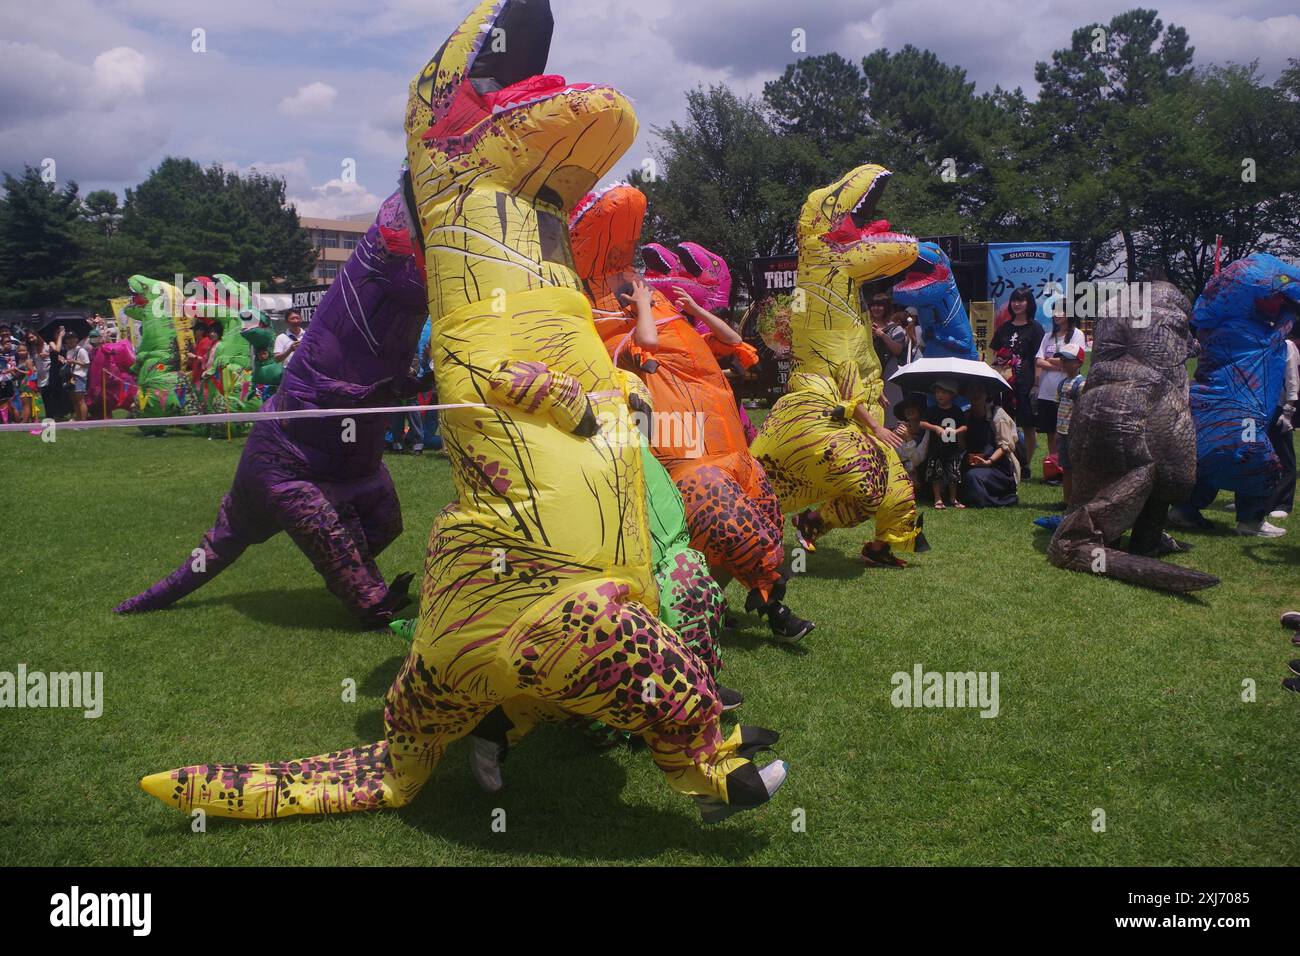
(958, 505)
(939, 506)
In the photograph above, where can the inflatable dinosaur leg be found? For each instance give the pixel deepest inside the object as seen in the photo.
(733, 531)
(375, 513)
(224, 542)
(333, 537)
(1083, 541)
(691, 604)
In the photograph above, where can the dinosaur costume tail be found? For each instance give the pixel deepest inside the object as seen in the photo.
(360, 778)
(1135, 569)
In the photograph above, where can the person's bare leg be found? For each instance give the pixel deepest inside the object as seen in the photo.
(1051, 443)
(937, 488)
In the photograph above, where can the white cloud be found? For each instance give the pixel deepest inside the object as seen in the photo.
(337, 198)
(120, 72)
(313, 98)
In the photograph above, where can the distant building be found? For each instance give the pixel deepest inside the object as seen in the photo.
(334, 240)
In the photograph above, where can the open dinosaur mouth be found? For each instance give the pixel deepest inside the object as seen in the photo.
(857, 225)
(923, 274)
(690, 263)
(654, 262)
(509, 77)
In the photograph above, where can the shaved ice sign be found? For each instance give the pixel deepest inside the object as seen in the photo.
(1042, 266)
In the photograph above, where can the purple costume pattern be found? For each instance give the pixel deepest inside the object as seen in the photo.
(322, 481)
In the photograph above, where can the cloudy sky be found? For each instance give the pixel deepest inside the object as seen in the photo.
(107, 88)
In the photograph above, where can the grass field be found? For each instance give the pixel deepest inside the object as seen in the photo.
(1111, 697)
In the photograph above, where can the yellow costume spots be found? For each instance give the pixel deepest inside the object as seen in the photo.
(815, 445)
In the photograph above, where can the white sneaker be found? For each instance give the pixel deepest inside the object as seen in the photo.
(1261, 530)
(1279, 514)
(1230, 506)
(485, 763)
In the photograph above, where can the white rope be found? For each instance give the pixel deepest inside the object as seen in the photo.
(223, 417)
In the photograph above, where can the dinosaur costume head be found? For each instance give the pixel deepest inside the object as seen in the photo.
(930, 288)
(928, 280)
(606, 226)
(1260, 287)
(700, 273)
(1163, 344)
(842, 246)
(500, 154)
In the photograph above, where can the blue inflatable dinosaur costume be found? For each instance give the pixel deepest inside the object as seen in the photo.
(930, 288)
(1241, 321)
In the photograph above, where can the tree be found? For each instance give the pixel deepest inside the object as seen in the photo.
(101, 212)
(726, 179)
(39, 242)
(1088, 97)
(193, 220)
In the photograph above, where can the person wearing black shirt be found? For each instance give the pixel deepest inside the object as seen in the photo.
(946, 423)
(1015, 349)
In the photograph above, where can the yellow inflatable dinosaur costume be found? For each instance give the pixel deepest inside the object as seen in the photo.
(822, 442)
(538, 580)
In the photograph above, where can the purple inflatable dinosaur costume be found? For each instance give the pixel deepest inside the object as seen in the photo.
(322, 481)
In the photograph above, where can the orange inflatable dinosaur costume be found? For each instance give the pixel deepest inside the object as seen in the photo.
(695, 431)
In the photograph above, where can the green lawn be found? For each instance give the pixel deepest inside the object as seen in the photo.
(1111, 697)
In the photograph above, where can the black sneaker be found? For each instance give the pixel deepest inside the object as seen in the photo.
(786, 627)
(1291, 620)
(1294, 667)
(1292, 684)
(731, 699)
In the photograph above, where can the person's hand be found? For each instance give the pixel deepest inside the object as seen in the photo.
(886, 436)
(901, 430)
(640, 296)
(684, 301)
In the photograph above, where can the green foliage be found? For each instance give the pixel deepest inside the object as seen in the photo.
(198, 220)
(1128, 152)
(39, 242)
(58, 249)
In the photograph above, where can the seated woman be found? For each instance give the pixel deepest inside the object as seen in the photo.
(990, 472)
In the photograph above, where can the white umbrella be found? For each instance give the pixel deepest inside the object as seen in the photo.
(920, 376)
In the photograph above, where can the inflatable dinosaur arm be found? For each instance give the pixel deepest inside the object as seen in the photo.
(532, 387)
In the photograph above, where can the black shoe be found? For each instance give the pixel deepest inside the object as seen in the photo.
(1291, 620)
(731, 699)
(1292, 684)
(1294, 666)
(786, 627)
(1171, 545)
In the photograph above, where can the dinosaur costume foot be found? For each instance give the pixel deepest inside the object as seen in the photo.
(382, 614)
(750, 787)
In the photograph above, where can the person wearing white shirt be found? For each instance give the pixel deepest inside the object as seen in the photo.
(286, 343)
(1065, 332)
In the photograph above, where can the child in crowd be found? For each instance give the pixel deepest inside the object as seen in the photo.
(946, 423)
(1067, 393)
(916, 440)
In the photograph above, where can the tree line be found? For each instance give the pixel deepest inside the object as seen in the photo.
(1128, 151)
(58, 248)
